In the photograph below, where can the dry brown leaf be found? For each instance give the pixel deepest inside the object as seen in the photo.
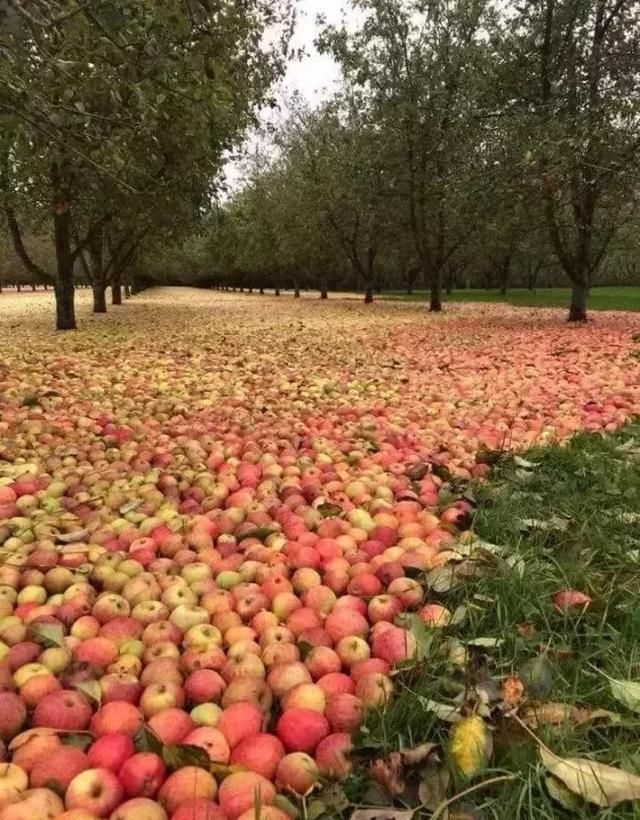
(554, 714)
(605, 786)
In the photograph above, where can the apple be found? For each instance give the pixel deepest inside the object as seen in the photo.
(31, 746)
(139, 808)
(96, 651)
(161, 632)
(13, 714)
(212, 741)
(199, 808)
(58, 771)
(300, 730)
(332, 755)
(64, 709)
(205, 714)
(322, 660)
(254, 690)
(259, 753)
(142, 774)
(110, 751)
(204, 685)
(171, 725)
(297, 772)
(304, 696)
(283, 677)
(343, 623)
(435, 615)
(95, 790)
(352, 650)
(159, 696)
(185, 784)
(344, 712)
(118, 716)
(34, 803)
(13, 781)
(238, 721)
(242, 790)
(394, 645)
(374, 690)
(122, 686)
(334, 683)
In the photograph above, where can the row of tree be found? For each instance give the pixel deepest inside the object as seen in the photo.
(116, 117)
(472, 143)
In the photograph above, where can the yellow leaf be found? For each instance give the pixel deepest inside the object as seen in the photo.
(470, 745)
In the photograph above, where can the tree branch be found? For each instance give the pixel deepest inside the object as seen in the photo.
(93, 230)
(21, 251)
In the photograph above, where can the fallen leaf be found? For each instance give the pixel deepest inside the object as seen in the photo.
(443, 711)
(411, 757)
(553, 714)
(487, 643)
(382, 814)
(433, 787)
(605, 786)
(627, 692)
(389, 773)
(562, 794)
(72, 537)
(537, 677)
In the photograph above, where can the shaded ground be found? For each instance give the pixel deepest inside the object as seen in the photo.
(607, 298)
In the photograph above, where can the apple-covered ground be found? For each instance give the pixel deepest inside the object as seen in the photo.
(229, 526)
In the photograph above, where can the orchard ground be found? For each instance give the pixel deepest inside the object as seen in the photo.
(604, 298)
(210, 435)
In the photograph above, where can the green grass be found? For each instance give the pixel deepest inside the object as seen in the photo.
(612, 298)
(592, 484)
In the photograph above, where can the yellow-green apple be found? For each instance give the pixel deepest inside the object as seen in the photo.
(95, 790)
(13, 781)
(297, 772)
(35, 803)
(374, 690)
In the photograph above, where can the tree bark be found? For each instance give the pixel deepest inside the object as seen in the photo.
(435, 301)
(116, 289)
(578, 309)
(368, 294)
(277, 291)
(64, 288)
(19, 287)
(127, 290)
(99, 297)
(296, 291)
(261, 291)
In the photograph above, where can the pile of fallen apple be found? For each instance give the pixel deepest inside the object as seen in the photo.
(162, 665)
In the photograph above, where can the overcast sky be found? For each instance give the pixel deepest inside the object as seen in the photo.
(315, 76)
(315, 72)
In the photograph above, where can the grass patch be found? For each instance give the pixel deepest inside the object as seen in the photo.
(606, 298)
(566, 517)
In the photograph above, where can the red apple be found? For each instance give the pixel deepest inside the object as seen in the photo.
(96, 790)
(240, 791)
(110, 751)
(142, 774)
(300, 730)
(259, 753)
(297, 772)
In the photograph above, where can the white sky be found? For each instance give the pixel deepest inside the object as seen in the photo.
(315, 76)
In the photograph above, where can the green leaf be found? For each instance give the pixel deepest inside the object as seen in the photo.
(329, 510)
(537, 676)
(304, 647)
(284, 804)
(424, 636)
(316, 809)
(147, 740)
(627, 692)
(78, 741)
(261, 533)
(91, 690)
(49, 635)
(177, 756)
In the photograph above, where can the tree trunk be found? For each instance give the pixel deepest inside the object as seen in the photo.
(578, 309)
(277, 291)
(368, 294)
(324, 293)
(435, 302)
(64, 288)
(99, 297)
(296, 291)
(33, 288)
(19, 287)
(261, 291)
(116, 289)
(127, 290)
